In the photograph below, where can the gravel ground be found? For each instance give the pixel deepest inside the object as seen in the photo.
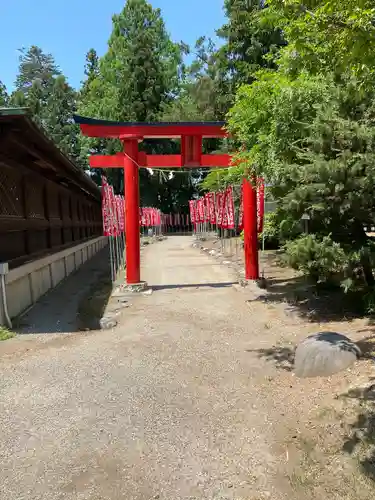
(190, 397)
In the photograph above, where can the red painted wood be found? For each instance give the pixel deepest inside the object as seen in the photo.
(167, 161)
(183, 150)
(219, 160)
(197, 149)
(132, 228)
(149, 131)
(106, 161)
(250, 230)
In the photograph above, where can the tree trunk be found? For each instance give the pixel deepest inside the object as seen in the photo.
(367, 270)
(361, 238)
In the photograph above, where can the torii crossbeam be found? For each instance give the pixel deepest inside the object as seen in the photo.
(191, 135)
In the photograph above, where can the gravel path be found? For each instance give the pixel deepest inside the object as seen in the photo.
(172, 404)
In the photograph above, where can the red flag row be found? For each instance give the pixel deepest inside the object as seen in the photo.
(113, 211)
(215, 208)
(218, 209)
(176, 220)
(150, 217)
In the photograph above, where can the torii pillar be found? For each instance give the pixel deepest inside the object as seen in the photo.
(132, 226)
(191, 135)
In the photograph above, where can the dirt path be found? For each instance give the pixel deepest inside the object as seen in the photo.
(180, 401)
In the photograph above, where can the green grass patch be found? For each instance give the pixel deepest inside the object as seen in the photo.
(6, 334)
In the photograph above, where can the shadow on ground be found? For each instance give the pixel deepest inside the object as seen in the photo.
(360, 440)
(193, 285)
(75, 304)
(321, 306)
(283, 356)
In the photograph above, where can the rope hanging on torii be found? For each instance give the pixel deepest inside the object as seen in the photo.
(191, 135)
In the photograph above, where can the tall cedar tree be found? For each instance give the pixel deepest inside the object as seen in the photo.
(58, 112)
(42, 88)
(34, 64)
(249, 43)
(136, 77)
(140, 65)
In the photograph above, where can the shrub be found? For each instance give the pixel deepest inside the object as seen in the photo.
(271, 231)
(322, 259)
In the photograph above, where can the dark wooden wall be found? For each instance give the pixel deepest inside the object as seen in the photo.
(40, 216)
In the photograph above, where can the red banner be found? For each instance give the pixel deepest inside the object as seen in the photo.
(210, 208)
(105, 207)
(109, 210)
(200, 210)
(192, 208)
(229, 208)
(120, 213)
(114, 212)
(151, 217)
(220, 208)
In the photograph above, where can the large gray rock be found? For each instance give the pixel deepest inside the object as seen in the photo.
(324, 354)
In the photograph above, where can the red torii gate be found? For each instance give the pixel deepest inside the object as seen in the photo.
(191, 135)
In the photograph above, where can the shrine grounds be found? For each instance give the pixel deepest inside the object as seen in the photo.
(191, 396)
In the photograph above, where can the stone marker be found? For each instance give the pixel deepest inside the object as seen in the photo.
(324, 354)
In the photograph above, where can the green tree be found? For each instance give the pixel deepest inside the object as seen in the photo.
(133, 81)
(57, 117)
(249, 43)
(4, 98)
(42, 88)
(325, 36)
(34, 64)
(309, 128)
(140, 66)
(91, 72)
(200, 95)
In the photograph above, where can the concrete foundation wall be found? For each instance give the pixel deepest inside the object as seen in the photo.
(26, 284)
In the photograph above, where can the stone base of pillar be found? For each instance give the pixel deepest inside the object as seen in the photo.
(134, 287)
(259, 283)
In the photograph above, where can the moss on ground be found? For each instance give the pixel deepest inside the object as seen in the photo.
(6, 334)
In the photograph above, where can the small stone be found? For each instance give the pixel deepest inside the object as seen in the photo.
(123, 301)
(125, 305)
(107, 323)
(148, 292)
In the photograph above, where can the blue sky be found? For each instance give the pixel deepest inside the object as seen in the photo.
(68, 28)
